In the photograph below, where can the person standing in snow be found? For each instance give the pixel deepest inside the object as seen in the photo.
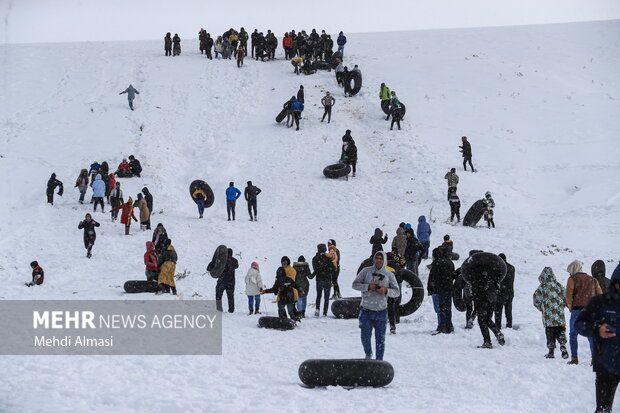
(302, 270)
(52, 183)
(176, 45)
(165, 280)
(131, 95)
(250, 193)
(484, 291)
(217, 48)
(98, 192)
(38, 275)
(453, 181)
(341, 41)
(377, 241)
(598, 272)
(145, 215)
(286, 289)
(413, 250)
(550, 299)
(88, 225)
(226, 282)
(440, 279)
(300, 94)
(424, 235)
(340, 73)
(328, 102)
(168, 44)
(399, 242)
(580, 288)
(209, 45)
(239, 54)
(82, 184)
(448, 245)
(384, 95)
(232, 194)
(149, 203)
(126, 214)
(349, 151)
(253, 287)
(160, 236)
(466, 151)
(489, 203)
(599, 322)
(506, 295)
(150, 262)
(395, 111)
(455, 206)
(116, 199)
(333, 253)
(376, 284)
(323, 270)
(296, 107)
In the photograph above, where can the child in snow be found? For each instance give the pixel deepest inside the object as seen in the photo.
(253, 287)
(37, 274)
(82, 184)
(550, 300)
(88, 225)
(455, 206)
(52, 183)
(286, 289)
(116, 199)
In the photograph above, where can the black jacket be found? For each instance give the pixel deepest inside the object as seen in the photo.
(598, 272)
(89, 228)
(349, 155)
(441, 276)
(323, 267)
(506, 287)
(52, 183)
(283, 287)
(378, 240)
(228, 275)
(413, 248)
(466, 149)
(301, 279)
(300, 95)
(250, 193)
(135, 166)
(169, 255)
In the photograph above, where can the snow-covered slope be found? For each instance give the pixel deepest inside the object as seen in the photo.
(539, 104)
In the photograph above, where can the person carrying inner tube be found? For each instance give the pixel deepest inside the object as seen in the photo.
(296, 107)
(340, 73)
(395, 111)
(199, 197)
(346, 79)
(384, 95)
(376, 284)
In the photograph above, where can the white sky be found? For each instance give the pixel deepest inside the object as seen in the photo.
(30, 21)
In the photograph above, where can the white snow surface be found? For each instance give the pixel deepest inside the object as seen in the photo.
(539, 104)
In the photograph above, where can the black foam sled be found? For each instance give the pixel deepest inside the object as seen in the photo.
(346, 372)
(346, 307)
(337, 170)
(209, 196)
(356, 78)
(417, 293)
(220, 256)
(281, 116)
(276, 323)
(474, 214)
(483, 267)
(458, 294)
(140, 286)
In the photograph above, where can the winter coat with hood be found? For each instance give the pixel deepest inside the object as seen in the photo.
(253, 282)
(160, 236)
(550, 299)
(82, 182)
(580, 287)
(506, 286)
(144, 209)
(131, 92)
(98, 187)
(149, 198)
(374, 300)
(378, 240)
(424, 229)
(89, 229)
(228, 274)
(441, 276)
(150, 257)
(168, 268)
(414, 248)
(126, 212)
(322, 265)
(302, 269)
(285, 286)
(52, 183)
(598, 272)
(603, 309)
(400, 241)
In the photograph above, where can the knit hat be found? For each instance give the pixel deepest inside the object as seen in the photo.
(301, 259)
(446, 237)
(331, 242)
(575, 267)
(254, 265)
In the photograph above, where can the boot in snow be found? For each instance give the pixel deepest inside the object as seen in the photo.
(564, 352)
(392, 330)
(500, 339)
(550, 354)
(126, 229)
(486, 344)
(250, 313)
(316, 313)
(573, 360)
(368, 356)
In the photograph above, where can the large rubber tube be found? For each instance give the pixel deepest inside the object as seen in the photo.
(355, 78)
(482, 268)
(458, 294)
(454, 256)
(140, 286)
(475, 212)
(281, 116)
(276, 323)
(337, 170)
(220, 256)
(346, 372)
(346, 307)
(385, 107)
(209, 196)
(417, 293)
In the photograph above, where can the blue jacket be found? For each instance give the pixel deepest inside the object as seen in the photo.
(232, 193)
(94, 167)
(603, 309)
(341, 40)
(98, 187)
(424, 230)
(297, 105)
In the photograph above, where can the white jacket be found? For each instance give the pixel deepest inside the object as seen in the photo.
(253, 282)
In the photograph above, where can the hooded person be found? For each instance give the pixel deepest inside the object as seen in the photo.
(286, 289)
(149, 203)
(145, 215)
(333, 253)
(377, 241)
(165, 281)
(38, 275)
(88, 225)
(160, 236)
(98, 192)
(376, 284)
(599, 321)
(323, 270)
(550, 299)
(580, 289)
(250, 193)
(440, 280)
(126, 214)
(82, 184)
(302, 270)
(424, 235)
(131, 95)
(150, 262)
(253, 287)
(598, 272)
(226, 282)
(400, 241)
(52, 183)
(505, 295)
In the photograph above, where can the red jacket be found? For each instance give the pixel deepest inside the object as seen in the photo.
(127, 212)
(38, 275)
(150, 259)
(112, 183)
(287, 41)
(124, 165)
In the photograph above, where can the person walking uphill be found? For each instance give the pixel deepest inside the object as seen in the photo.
(424, 235)
(131, 95)
(506, 295)
(323, 271)
(144, 212)
(466, 151)
(253, 287)
(377, 241)
(550, 299)
(176, 45)
(232, 194)
(88, 225)
(226, 282)
(328, 102)
(376, 284)
(126, 214)
(599, 321)
(580, 288)
(52, 183)
(98, 192)
(250, 193)
(286, 289)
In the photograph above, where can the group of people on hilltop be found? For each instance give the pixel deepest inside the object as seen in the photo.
(172, 45)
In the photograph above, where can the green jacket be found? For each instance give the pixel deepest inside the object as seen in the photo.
(384, 93)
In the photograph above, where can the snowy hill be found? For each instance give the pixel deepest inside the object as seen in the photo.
(539, 104)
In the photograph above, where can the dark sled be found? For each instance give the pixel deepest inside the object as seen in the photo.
(417, 293)
(482, 268)
(281, 116)
(355, 78)
(346, 372)
(276, 323)
(198, 184)
(140, 286)
(474, 214)
(337, 170)
(385, 106)
(218, 262)
(458, 294)
(346, 307)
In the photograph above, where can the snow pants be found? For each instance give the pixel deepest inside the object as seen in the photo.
(556, 333)
(484, 310)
